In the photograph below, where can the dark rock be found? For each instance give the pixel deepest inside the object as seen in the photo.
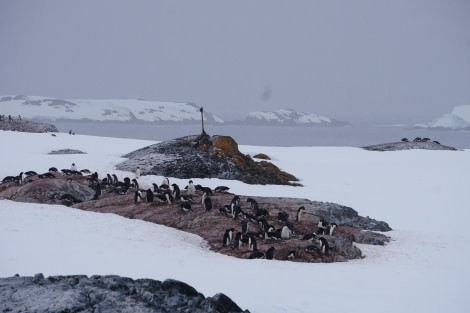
(204, 157)
(26, 126)
(79, 293)
(417, 143)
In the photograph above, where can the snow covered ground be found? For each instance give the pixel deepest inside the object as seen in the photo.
(423, 195)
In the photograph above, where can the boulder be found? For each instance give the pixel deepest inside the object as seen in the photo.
(110, 293)
(203, 156)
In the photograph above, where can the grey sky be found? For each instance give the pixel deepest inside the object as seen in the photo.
(391, 61)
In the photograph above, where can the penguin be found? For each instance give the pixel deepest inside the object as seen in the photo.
(168, 197)
(244, 226)
(309, 237)
(115, 179)
(97, 191)
(230, 232)
(261, 213)
(176, 191)
(324, 246)
(30, 173)
(285, 232)
(253, 246)
(137, 173)
(253, 203)
(224, 210)
(137, 196)
(270, 253)
(70, 199)
(85, 171)
(186, 198)
(53, 169)
(185, 206)
(300, 212)
(136, 184)
(330, 228)
(8, 179)
(206, 202)
(226, 239)
(110, 180)
(149, 195)
(165, 181)
(156, 189)
(73, 167)
(221, 189)
(236, 211)
(256, 255)
(235, 200)
(282, 216)
(291, 254)
(20, 178)
(237, 240)
(46, 175)
(191, 188)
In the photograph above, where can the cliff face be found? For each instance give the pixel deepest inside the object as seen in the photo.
(204, 156)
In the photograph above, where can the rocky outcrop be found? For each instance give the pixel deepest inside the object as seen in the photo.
(79, 293)
(26, 126)
(211, 224)
(408, 145)
(204, 156)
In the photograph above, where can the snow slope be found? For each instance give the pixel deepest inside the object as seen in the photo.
(121, 110)
(423, 195)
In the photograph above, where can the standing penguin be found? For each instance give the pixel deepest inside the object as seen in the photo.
(244, 226)
(73, 167)
(176, 191)
(324, 246)
(191, 188)
(270, 253)
(236, 241)
(137, 196)
(300, 212)
(137, 173)
(206, 202)
(149, 195)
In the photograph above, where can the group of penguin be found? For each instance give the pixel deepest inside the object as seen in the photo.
(169, 193)
(267, 232)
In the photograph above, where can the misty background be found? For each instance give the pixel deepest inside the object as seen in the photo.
(357, 61)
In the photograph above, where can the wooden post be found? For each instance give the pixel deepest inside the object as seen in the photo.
(202, 120)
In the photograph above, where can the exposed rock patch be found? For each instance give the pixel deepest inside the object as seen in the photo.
(26, 126)
(67, 151)
(79, 293)
(408, 145)
(204, 156)
(211, 225)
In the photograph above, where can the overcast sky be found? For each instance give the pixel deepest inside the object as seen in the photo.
(391, 61)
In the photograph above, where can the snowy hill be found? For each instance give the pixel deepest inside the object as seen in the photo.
(118, 110)
(290, 117)
(459, 118)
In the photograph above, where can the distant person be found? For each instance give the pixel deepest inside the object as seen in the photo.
(19, 117)
(70, 132)
(9, 118)
(73, 167)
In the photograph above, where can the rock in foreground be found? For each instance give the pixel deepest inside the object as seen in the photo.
(79, 293)
(204, 156)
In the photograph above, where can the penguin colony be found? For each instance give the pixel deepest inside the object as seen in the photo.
(255, 225)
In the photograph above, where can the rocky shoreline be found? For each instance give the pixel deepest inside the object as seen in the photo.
(111, 293)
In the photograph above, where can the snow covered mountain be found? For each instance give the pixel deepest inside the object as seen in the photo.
(118, 110)
(289, 117)
(459, 118)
